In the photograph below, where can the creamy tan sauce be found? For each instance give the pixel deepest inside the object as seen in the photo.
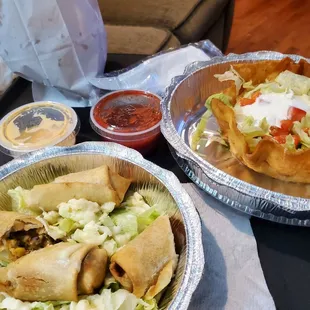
(45, 133)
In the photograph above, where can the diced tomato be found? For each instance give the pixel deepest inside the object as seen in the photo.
(287, 125)
(296, 140)
(247, 101)
(277, 131)
(282, 139)
(255, 95)
(295, 114)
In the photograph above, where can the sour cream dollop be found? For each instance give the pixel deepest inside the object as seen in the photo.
(275, 106)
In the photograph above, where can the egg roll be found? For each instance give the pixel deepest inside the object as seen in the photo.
(99, 185)
(102, 175)
(145, 266)
(58, 272)
(19, 235)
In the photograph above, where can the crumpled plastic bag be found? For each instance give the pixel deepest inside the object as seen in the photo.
(58, 43)
(6, 76)
(154, 74)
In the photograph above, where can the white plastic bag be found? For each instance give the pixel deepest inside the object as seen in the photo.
(154, 74)
(60, 43)
(6, 76)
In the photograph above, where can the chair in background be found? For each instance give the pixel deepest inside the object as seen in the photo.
(145, 27)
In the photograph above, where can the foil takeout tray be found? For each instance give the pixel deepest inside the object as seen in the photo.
(44, 165)
(214, 169)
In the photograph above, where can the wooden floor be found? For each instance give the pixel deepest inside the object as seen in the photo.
(278, 25)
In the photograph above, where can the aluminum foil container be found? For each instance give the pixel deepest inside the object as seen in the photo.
(214, 169)
(44, 165)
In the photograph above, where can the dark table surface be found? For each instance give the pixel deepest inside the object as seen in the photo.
(284, 251)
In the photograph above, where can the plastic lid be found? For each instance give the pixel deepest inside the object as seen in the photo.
(37, 125)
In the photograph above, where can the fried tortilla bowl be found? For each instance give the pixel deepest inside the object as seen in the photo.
(268, 157)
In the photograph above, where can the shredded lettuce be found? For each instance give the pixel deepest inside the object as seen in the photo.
(92, 233)
(220, 96)
(81, 211)
(265, 88)
(299, 84)
(128, 224)
(110, 246)
(84, 221)
(289, 143)
(252, 142)
(197, 135)
(251, 130)
(111, 283)
(305, 122)
(304, 138)
(200, 129)
(231, 75)
(107, 299)
(18, 201)
(147, 217)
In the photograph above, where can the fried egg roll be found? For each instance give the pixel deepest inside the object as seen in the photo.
(19, 235)
(145, 265)
(58, 272)
(99, 185)
(102, 175)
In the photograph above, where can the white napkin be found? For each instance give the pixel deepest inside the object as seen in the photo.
(233, 278)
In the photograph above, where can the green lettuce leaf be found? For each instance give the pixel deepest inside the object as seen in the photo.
(249, 128)
(266, 88)
(299, 84)
(147, 305)
(92, 233)
(128, 224)
(290, 144)
(107, 299)
(231, 75)
(147, 218)
(305, 121)
(18, 201)
(252, 142)
(200, 129)
(110, 246)
(197, 135)
(304, 138)
(220, 96)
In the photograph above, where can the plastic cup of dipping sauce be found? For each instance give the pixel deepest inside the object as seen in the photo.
(37, 125)
(128, 117)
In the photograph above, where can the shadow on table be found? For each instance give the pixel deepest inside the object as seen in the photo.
(212, 290)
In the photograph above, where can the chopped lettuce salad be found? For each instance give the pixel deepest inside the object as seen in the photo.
(107, 299)
(83, 221)
(291, 130)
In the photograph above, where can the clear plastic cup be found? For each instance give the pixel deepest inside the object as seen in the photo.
(128, 117)
(37, 125)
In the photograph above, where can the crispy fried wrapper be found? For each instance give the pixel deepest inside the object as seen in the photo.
(99, 185)
(17, 229)
(268, 157)
(145, 265)
(59, 272)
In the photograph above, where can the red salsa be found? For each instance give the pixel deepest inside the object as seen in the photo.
(132, 117)
(128, 117)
